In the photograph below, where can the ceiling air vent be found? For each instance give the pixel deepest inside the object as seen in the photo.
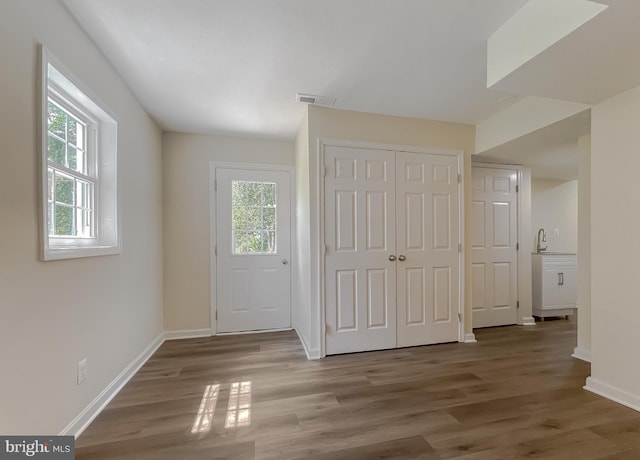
(314, 99)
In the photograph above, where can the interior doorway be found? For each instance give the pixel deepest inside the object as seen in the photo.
(495, 246)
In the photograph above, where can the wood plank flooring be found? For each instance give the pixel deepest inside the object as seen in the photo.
(517, 393)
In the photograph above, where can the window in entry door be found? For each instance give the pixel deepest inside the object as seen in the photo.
(253, 217)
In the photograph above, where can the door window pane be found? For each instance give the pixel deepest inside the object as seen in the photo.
(253, 219)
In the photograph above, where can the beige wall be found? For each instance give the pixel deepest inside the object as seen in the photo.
(326, 123)
(53, 314)
(615, 248)
(186, 159)
(554, 206)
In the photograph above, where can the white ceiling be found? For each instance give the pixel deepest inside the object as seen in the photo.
(235, 66)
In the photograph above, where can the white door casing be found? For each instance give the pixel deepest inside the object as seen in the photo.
(391, 257)
(494, 254)
(253, 285)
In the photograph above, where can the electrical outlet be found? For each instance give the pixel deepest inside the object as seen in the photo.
(82, 371)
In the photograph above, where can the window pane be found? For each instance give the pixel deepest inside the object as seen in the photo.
(254, 218)
(64, 221)
(269, 219)
(237, 193)
(64, 190)
(72, 162)
(269, 242)
(239, 219)
(269, 194)
(254, 242)
(57, 120)
(72, 131)
(239, 243)
(56, 150)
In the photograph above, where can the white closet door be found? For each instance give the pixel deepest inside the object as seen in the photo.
(427, 246)
(494, 256)
(360, 236)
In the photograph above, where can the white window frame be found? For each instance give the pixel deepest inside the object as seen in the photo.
(101, 144)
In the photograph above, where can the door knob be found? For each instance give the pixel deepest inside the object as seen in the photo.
(285, 261)
(401, 258)
(392, 258)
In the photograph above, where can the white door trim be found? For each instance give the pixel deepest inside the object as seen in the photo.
(213, 166)
(320, 249)
(525, 317)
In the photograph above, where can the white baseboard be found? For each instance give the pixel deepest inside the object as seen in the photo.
(528, 321)
(82, 421)
(187, 334)
(470, 337)
(312, 353)
(581, 353)
(615, 394)
(260, 331)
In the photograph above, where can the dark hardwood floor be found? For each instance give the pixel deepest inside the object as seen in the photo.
(517, 393)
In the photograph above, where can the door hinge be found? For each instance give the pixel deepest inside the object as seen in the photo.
(517, 304)
(215, 249)
(459, 247)
(459, 178)
(216, 315)
(460, 317)
(326, 249)
(324, 171)
(517, 188)
(215, 185)
(517, 246)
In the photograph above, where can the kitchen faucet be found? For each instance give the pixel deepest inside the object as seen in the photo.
(540, 248)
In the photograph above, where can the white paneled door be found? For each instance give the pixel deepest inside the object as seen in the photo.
(494, 254)
(391, 234)
(253, 229)
(360, 258)
(427, 239)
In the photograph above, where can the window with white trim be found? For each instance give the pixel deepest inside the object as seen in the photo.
(79, 169)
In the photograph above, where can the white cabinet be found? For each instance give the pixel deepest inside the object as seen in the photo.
(555, 284)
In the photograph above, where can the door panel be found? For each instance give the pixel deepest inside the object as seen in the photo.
(253, 239)
(359, 236)
(427, 235)
(494, 255)
(346, 300)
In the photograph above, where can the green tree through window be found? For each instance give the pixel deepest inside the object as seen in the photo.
(70, 190)
(253, 217)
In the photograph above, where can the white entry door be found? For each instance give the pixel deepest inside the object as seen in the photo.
(253, 229)
(391, 234)
(494, 254)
